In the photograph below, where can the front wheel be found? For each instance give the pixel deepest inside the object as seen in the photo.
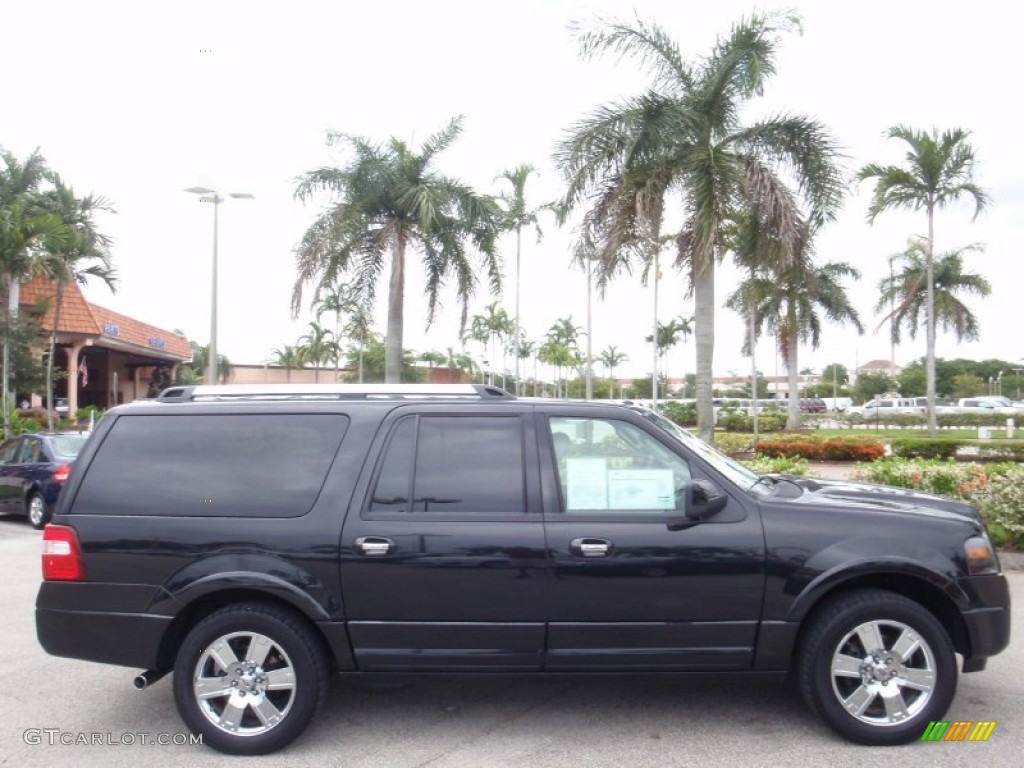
(877, 667)
(35, 508)
(249, 678)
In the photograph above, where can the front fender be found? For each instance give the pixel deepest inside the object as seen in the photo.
(835, 565)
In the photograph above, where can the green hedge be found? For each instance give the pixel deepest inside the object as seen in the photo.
(948, 420)
(926, 448)
(734, 421)
(947, 448)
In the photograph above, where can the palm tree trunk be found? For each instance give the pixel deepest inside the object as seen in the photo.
(396, 297)
(362, 346)
(704, 314)
(929, 366)
(8, 283)
(754, 415)
(792, 341)
(53, 347)
(519, 232)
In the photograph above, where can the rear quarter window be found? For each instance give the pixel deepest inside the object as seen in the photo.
(267, 465)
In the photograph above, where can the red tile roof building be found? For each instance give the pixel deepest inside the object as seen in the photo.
(120, 353)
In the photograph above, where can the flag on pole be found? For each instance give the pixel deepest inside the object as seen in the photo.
(84, 371)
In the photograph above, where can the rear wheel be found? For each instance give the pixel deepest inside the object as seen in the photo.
(877, 667)
(249, 678)
(35, 508)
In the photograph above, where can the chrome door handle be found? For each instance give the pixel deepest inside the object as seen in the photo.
(374, 546)
(591, 547)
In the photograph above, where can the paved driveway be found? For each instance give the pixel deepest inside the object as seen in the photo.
(472, 722)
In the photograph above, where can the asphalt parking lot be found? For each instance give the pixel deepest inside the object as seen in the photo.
(446, 723)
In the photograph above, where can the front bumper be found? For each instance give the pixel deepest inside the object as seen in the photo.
(988, 625)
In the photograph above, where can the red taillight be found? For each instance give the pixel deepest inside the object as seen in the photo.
(60, 474)
(62, 557)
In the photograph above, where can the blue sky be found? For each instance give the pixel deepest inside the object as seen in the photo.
(127, 103)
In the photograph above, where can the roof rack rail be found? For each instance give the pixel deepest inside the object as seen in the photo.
(221, 392)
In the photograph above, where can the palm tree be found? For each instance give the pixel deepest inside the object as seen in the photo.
(289, 357)
(670, 334)
(565, 332)
(905, 290)
(317, 346)
(29, 234)
(559, 356)
(84, 254)
(517, 214)
(611, 358)
(494, 325)
(792, 302)
(683, 137)
(527, 350)
(201, 361)
(938, 171)
(390, 199)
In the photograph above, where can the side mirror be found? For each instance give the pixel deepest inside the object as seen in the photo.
(703, 499)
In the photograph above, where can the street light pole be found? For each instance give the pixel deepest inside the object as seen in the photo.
(207, 195)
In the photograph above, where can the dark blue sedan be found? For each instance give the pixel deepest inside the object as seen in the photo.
(33, 469)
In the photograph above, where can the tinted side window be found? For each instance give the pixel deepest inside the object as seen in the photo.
(392, 490)
(9, 451)
(460, 464)
(212, 466)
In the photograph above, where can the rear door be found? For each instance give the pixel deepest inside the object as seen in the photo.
(629, 592)
(443, 563)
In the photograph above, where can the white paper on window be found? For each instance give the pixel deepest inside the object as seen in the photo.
(587, 481)
(641, 489)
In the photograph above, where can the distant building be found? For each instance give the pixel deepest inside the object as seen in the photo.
(876, 366)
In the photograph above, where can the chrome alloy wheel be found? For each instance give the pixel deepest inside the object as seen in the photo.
(244, 683)
(36, 510)
(883, 672)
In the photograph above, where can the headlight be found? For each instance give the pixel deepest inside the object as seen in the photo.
(981, 558)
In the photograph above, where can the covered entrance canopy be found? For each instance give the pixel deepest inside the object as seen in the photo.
(109, 358)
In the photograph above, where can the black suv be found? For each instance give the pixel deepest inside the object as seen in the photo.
(255, 540)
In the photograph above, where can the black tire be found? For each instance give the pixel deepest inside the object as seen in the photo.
(268, 666)
(908, 682)
(35, 510)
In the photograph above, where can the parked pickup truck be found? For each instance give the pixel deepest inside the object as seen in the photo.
(993, 404)
(256, 540)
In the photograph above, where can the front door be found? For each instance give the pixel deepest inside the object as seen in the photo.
(637, 586)
(10, 481)
(443, 563)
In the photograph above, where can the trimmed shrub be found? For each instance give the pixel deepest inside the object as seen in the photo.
(926, 448)
(683, 414)
(763, 465)
(731, 443)
(1003, 503)
(823, 448)
(999, 450)
(735, 421)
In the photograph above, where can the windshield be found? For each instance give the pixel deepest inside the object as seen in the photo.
(733, 470)
(67, 446)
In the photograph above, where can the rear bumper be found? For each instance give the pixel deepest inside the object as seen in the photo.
(127, 639)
